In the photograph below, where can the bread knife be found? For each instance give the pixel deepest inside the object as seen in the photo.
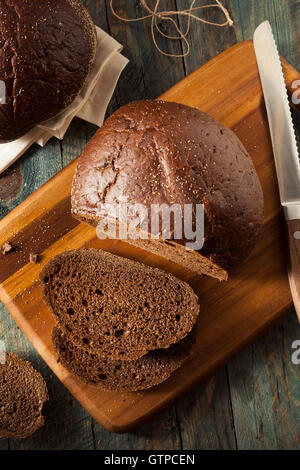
(284, 146)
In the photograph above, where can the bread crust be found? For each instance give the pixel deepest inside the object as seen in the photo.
(153, 152)
(23, 393)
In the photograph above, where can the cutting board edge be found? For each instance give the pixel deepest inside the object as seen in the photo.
(136, 423)
(110, 424)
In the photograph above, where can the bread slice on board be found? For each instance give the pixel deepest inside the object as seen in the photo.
(115, 306)
(146, 372)
(23, 393)
(154, 153)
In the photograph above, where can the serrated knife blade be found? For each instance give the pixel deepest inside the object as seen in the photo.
(280, 120)
(284, 146)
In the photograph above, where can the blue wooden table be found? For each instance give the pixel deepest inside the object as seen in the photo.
(253, 403)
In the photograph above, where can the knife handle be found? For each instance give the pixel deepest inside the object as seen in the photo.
(294, 264)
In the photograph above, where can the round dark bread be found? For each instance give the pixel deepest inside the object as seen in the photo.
(115, 306)
(146, 372)
(47, 49)
(23, 393)
(153, 152)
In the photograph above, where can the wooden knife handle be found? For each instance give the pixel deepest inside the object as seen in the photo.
(294, 264)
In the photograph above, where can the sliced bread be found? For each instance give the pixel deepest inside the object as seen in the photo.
(146, 372)
(115, 306)
(23, 393)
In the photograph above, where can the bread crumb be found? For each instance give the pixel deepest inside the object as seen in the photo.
(34, 258)
(6, 248)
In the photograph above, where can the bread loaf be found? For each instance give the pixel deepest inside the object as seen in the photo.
(23, 393)
(116, 307)
(153, 152)
(47, 49)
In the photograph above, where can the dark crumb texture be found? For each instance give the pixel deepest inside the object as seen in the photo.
(116, 307)
(47, 49)
(23, 393)
(146, 372)
(153, 152)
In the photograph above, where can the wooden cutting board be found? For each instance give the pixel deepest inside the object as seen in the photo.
(233, 314)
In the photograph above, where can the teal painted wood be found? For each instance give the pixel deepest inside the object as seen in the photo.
(162, 433)
(149, 73)
(264, 386)
(253, 402)
(206, 40)
(205, 416)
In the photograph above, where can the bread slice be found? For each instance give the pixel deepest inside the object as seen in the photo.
(146, 372)
(23, 393)
(115, 306)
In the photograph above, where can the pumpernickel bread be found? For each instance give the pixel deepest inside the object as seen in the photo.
(116, 307)
(146, 372)
(47, 49)
(23, 393)
(153, 152)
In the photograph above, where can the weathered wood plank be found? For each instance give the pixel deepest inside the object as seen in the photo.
(149, 73)
(161, 434)
(205, 417)
(265, 394)
(284, 19)
(206, 40)
(38, 166)
(11, 183)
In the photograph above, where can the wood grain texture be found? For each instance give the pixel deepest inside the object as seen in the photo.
(208, 423)
(294, 261)
(203, 48)
(148, 74)
(264, 387)
(233, 313)
(161, 433)
(38, 165)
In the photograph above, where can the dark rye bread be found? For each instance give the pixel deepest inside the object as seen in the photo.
(47, 49)
(146, 372)
(23, 393)
(117, 307)
(153, 152)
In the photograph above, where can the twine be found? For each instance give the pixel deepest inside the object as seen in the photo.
(161, 16)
